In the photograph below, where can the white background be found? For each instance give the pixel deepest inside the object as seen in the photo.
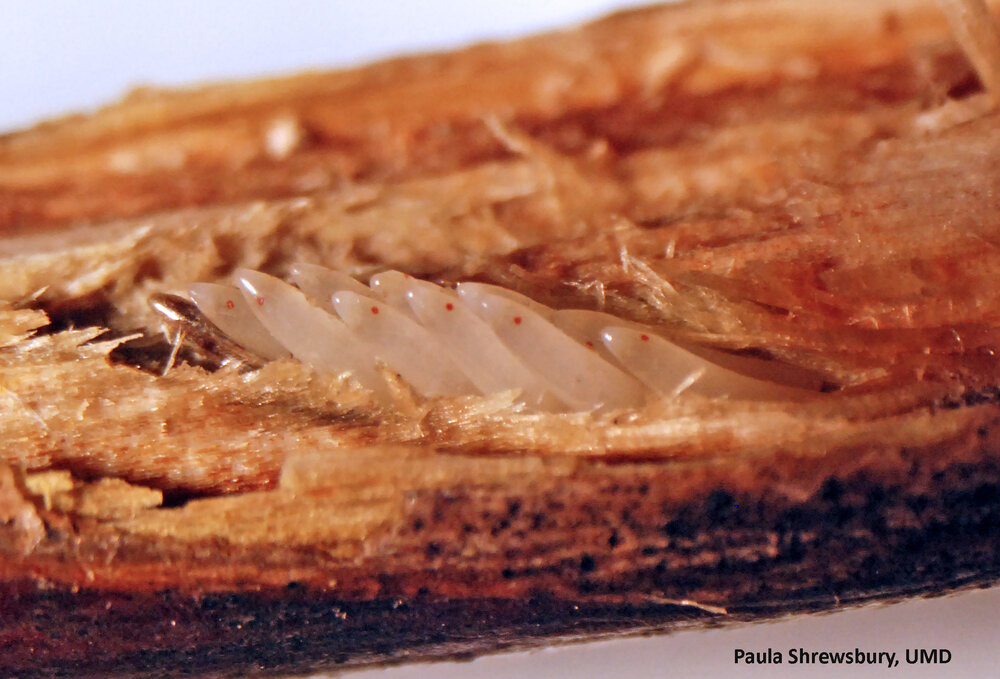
(62, 55)
(58, 56)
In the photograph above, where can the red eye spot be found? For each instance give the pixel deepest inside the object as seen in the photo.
(644, 338)
(230, 304)
(375, 310)
(590, 344)
(517, 320)
(449, 306)
(260, 301)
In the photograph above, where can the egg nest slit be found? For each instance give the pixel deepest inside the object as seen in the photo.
(473, 339)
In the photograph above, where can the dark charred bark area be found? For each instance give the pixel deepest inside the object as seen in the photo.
(856, 539)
